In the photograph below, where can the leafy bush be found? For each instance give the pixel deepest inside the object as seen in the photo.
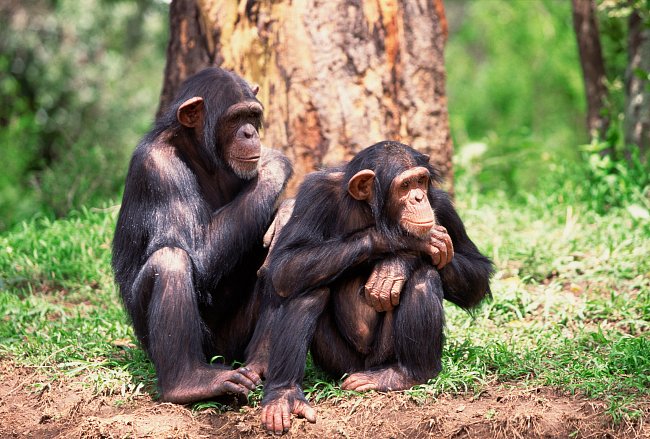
(72, 71)
(514, 86)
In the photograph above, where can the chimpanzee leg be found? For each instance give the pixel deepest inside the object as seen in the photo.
(166, 317)
(331, 351)
(259, 347)
(292, 334)
(417, 334)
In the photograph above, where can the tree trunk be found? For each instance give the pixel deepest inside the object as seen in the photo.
(593, 66)
(637, 86)
(187, 51)
(335, 76)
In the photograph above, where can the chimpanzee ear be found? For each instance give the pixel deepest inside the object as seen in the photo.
(361, 184)
(190, 113)
(255, 88)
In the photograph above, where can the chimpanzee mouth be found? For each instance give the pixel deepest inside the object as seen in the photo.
(252, 159)
(421, 230)
(422, 224)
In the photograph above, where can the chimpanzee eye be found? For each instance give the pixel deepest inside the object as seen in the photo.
(405, 185)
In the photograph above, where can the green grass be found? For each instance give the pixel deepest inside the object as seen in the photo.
(61, 310)
(571, 307)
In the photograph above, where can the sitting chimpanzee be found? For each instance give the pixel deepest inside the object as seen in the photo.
(199, 195)
(359, 273)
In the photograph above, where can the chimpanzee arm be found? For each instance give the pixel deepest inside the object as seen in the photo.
(241, 224)
(466, 279)
(310, 252)
(171, 211)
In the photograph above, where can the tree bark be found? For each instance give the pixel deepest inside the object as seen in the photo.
(637, 86)
(187, 50)
(335, 76)
(593, 66)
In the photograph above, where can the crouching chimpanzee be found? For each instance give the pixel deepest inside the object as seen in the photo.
(199, 195)
(361, 267)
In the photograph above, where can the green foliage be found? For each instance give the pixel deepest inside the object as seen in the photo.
(571, 306)
(608, 182)
(517, 107)
(516, 99)
(82, 79)
(61, 311)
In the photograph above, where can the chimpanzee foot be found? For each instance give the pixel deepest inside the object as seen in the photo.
(207, 383)
(278, 406)
(383, 380)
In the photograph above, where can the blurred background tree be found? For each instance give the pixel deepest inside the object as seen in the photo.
(517, 102)
(628, 69)
(80, 82)
(516, 98)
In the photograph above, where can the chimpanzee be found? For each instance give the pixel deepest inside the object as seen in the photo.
(199, 195)
(359, 272)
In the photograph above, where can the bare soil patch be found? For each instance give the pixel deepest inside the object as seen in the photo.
(67, 409)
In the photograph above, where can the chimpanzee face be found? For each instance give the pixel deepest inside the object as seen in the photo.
(237, 139)
(238, 133)
(409, 201)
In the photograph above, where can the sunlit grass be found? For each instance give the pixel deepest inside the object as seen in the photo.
(571, 308)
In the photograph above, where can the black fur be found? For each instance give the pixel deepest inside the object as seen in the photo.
(188, 241)
(324, 256)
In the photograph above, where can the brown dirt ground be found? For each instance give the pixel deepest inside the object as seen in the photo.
(66, 409)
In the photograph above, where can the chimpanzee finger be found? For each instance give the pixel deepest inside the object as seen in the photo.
(242, 379)
(385, 293)
(270, 232)
(374, 296)
(267, 419)
(269, 415)
(251, 375)
(366, 387)
(369, 288)
(286, 419)
(351, 382)
(263, 416)
(398, 281)
(379, 291)
(304, 410)
(450, 249)
(442, 247)
(441, 234)
(234, 388)
(435, 255)
(280, 416)
(396, 291)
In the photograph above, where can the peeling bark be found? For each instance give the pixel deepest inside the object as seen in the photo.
(187, 50)
(335, 76)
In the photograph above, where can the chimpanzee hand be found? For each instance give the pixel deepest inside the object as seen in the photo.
(281, 217)
(440, 247)
(274, 168)
(270, 237)
(385, 283)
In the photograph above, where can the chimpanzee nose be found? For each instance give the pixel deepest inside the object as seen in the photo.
(419, 196)
(249, 131)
